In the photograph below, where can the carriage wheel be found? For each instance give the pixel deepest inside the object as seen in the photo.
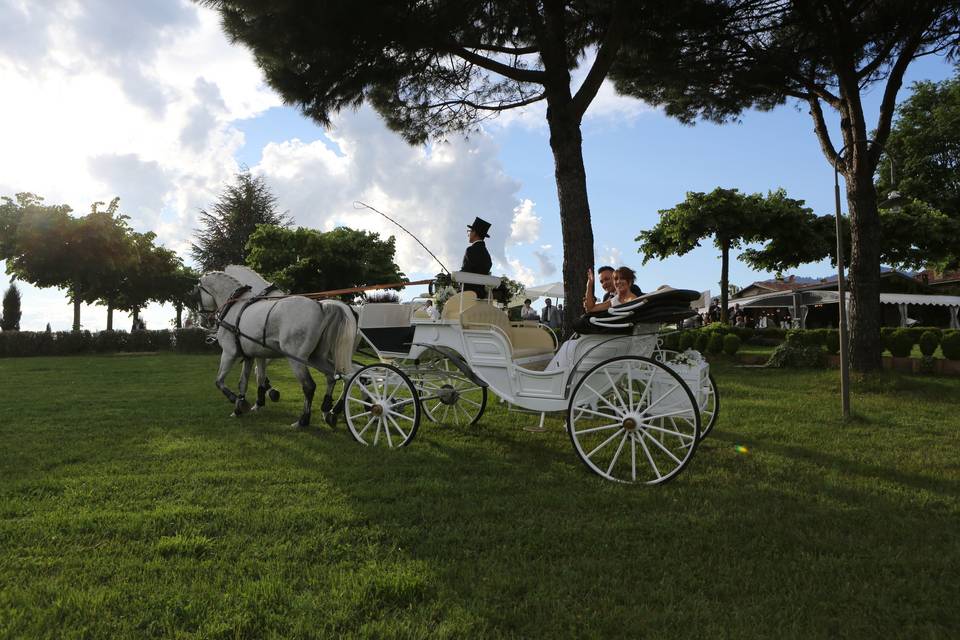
(450, 397)
(381, 406)
(634, 420)
(710, 408)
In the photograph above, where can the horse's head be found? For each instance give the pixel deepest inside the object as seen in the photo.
(203, 302)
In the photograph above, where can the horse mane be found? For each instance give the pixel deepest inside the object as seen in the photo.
(247, 276)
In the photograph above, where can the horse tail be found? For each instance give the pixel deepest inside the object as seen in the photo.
(344, 327)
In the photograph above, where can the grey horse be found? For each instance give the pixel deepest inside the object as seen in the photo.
(308, 333)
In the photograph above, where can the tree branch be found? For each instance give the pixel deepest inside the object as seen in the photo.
(604, 60)
(823, 134)
(514, 51)
(487, 107)
(889, 102)
(520, 75)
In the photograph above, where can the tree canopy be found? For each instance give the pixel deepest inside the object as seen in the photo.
(222, 237)
(825, 54)
(306, 260)
(431, 68)
(731, 219)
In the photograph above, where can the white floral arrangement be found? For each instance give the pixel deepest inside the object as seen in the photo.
(442, 295)
(689, 358)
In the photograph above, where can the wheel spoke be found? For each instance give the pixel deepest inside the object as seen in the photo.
(605, 443)
(653, 464)
(397, 427)
(662, 447)
(678, 412)
(617, 454)
(583, 410)
(665, 430)
(367, 426)
(633, 458)
(386, 430)
(401, 415)
(376, 436)
(616, 392)
(607, 402)
(592, 429)
(469, 401)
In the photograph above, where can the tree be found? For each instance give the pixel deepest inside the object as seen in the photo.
(824, 53)
(921, 161)
(157, 275)
(731, 218)
(305, 260)
(431, 68)
(11, 309)
(222, 237)
(46, 246)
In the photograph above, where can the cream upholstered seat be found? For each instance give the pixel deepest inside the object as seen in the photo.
(452, 307)
(525, 342)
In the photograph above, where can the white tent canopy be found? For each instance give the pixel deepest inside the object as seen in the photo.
(552, 290)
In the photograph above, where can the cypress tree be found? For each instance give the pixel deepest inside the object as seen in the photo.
(11, 309)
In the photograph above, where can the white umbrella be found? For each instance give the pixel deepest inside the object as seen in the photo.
(552, 290)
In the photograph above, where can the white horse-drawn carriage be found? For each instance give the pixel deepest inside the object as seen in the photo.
(634, 412)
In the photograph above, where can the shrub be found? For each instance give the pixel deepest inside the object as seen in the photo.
(796, 355)
(731, 344)
(900, 343)
(928, 343)
(715, 344)
(670, 341)
(831, 340)
(885, 333)
(950, 345)
(703, 341)
(688, 340)
(193, 340)
(110, 341)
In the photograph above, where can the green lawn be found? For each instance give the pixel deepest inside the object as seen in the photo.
(131, 506)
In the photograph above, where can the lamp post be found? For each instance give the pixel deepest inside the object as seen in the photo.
(841, 291)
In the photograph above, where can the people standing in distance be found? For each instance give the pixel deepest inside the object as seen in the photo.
(476, 259)
(527, 312)
(550, 316)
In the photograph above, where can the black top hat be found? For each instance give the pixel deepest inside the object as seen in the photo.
(481, 226)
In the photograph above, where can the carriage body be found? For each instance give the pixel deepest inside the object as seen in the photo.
(647, 402)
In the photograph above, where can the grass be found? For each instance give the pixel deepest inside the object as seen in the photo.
(131, 506)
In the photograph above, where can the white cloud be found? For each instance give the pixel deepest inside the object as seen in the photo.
(610, 256)
(522, 273)
(545, 260)
(525, 228)
(434, 192)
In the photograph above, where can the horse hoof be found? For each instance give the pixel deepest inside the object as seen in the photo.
(274, 395)
(233, 415)
(255, 407)
(330, 418)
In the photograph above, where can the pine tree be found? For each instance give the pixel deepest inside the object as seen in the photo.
(11, 309)
(222, 237)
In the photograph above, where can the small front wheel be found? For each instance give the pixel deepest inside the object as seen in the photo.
(381, 406)
(634, 420)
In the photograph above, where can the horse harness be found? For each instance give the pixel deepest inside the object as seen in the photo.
(235, 328)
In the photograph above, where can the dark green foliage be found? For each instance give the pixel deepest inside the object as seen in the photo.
(306, 260)
(688, 340)
(928, 343)
(728, 217)
(796, 355)
(193, 341)
(222, 237)
(900, 343)
(10, 318)
(831, 340)
(731, 344)
(715, 344)
(671, 341)
(885, 333)
(920, 162)
(110, 341)
(382, 296)
(702, 341)
(950, 345)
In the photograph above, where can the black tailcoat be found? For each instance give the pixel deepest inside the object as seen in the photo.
(476, 259)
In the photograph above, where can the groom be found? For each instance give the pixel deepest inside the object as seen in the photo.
(476, 259)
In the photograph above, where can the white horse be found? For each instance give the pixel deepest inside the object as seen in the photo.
(306, 332)
(258, 287)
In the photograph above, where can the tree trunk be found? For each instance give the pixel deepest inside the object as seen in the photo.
(566, 143)
(136, 318)
(865, 346)
(109, 316)
(76, 313)
(724, 279)
(179, 307)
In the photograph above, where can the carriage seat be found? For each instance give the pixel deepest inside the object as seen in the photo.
(451, 308)
(526, 342)
(387, 326)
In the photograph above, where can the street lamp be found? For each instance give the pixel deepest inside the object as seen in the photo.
(894, 200)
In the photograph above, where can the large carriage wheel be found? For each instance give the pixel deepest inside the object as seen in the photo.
(634, 420)
(381, 406)
(710, 407)
(450, 397)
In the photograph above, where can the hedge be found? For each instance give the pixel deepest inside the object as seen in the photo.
(900, 343)
(928, 343)
(14, 344)
(950, 344)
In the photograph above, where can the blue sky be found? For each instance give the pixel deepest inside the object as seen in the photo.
(166, 115)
